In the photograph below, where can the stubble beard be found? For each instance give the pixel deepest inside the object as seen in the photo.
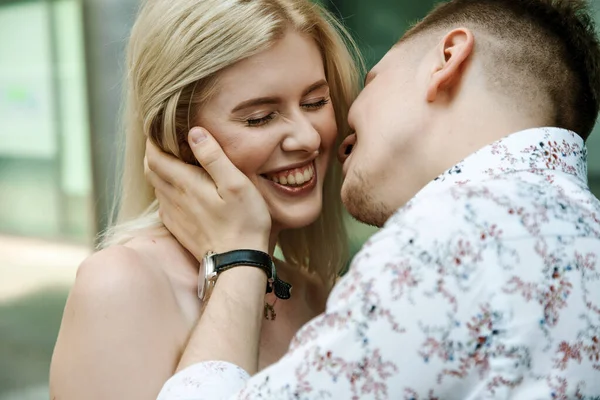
(358, 200)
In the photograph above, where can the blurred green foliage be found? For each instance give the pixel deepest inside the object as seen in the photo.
(377, 25)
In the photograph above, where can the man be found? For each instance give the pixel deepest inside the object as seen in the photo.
(484, 281)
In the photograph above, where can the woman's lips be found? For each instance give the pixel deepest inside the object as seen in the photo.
(298, 181)
(293, 176)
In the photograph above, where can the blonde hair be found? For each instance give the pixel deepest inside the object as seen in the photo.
(176, 51)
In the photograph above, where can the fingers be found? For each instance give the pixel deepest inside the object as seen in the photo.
(165, 167)
(173, 219)
(212, 158)
(159, 184)
(158, 162)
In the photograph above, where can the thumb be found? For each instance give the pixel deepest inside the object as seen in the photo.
(211, 157)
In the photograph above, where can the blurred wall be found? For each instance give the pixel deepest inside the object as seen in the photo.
(59, 103)
(45, 187)
(107, 26)
(60, 75)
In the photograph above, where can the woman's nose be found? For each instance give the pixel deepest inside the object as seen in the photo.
(302, 137)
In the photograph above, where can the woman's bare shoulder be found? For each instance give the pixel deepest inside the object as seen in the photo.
(140, 264)
(118, 270)
(120, 317)
(120, 285)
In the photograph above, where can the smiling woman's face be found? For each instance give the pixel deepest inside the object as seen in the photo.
(273, 116)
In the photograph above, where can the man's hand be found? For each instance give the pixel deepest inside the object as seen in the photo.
(216, 208)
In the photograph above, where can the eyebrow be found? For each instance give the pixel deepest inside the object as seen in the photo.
(315, 86)
(259, 101)
(270, 100)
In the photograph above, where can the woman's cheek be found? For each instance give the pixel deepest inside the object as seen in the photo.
(327, 126)
(251, 156)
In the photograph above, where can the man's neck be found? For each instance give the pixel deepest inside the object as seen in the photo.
(470, 129)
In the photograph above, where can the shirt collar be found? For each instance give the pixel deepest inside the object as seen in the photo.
(536, 150)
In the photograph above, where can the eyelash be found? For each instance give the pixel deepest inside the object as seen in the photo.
(260, 121)
(268, 118)
(319, 104)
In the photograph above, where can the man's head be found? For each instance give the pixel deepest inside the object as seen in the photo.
(468, 74)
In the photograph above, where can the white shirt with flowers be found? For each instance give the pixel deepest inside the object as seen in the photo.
(485, 286)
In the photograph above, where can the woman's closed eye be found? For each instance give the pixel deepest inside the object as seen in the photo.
(310, 106)
(261, 120)
(316, 105)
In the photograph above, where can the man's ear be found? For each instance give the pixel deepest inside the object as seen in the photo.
(451, 54)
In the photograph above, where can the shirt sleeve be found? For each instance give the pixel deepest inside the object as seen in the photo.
(206, 380)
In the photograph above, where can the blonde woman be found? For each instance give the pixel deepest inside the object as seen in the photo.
(272, 80)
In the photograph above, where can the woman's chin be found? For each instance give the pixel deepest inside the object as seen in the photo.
(295, 218)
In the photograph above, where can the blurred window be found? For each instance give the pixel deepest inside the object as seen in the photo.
(45, 178)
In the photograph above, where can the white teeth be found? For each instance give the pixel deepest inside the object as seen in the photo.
(296, 178)
(307, 175)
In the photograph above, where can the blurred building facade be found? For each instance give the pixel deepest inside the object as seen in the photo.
(61, 66)
(60, 88)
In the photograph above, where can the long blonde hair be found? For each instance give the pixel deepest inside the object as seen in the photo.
(176, 51)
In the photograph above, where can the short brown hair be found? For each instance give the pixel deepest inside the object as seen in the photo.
(541, 47)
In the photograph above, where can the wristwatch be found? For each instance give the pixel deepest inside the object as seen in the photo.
(213, 264)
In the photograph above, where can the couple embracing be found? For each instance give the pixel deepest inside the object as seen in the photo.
(245, 125)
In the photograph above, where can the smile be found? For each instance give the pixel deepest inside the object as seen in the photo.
(293, 177)
(299, 181)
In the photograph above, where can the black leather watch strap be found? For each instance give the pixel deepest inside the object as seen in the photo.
(251, 258)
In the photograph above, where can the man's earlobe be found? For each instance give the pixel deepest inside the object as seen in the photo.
(451, 55)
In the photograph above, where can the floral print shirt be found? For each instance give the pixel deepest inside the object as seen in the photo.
(486, 285)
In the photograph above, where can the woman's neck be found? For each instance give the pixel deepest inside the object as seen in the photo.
(273, 239)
